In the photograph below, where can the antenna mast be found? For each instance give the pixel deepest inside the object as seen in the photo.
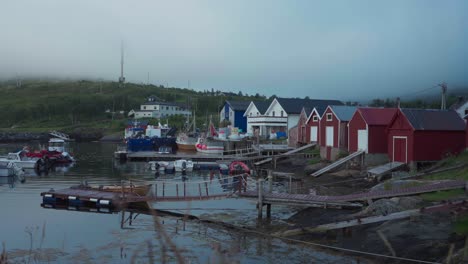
(121, 78)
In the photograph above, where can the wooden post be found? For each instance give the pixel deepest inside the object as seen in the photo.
(270, 182)
(199, 190)
(206, 188)
(268, 210)
(274, 162)
(260, 198)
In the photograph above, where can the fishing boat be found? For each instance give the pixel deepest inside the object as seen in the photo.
(152, 139)
(185, 140)
(183, 165)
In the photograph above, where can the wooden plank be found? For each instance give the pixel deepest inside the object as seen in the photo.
(287, 153)
(388, 167)
(337, 163)
(371, 219)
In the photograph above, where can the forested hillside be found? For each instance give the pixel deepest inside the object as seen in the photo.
(41, 105)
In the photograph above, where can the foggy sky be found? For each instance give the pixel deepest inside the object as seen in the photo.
(321, 49)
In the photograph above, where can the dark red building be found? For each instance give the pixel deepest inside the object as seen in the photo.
(333, 129)
(303, 129)
(416, 135)
(368, 130)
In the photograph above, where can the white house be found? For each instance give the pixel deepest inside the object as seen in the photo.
(256, 119)
(156, 108)
(281, 114)
(461, 107)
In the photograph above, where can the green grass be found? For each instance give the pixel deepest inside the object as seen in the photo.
(314, 151)
(442, 195)
(458, 174)
(461, 226)
(314, 161)
(389, 186)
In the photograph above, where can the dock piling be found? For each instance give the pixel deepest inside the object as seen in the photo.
(260, 198)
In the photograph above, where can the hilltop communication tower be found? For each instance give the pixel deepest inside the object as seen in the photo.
(121, 78)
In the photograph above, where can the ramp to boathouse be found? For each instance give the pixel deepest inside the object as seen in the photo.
(338, 163)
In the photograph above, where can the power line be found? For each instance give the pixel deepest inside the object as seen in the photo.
(420, 91)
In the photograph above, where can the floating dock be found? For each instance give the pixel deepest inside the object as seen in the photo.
(78, 197)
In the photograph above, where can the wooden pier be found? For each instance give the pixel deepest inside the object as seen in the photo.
(340, 201)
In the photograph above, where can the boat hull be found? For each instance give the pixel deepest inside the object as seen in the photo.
(184, 146)
(211, 150)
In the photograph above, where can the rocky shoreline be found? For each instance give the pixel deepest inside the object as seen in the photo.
(80, 136)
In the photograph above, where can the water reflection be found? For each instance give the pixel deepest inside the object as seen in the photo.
(102, 235)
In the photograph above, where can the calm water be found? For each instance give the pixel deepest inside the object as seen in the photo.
(33, 234)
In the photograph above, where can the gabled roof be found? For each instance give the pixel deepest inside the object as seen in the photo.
(343, 112)
(294, 105)
(238, 105)
(307, 111)
(377, 116)
(432, 119)
(262, 106)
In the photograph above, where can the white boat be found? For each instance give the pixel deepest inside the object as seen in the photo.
(183, 165)
(158, 165)
(20, 160)
(209, 147)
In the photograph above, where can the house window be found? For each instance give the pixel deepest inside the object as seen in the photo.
(315, 118)
(282, 113)
(144, 107)
(273, 114)
(250, 114)
(258, 113)
(329, 117)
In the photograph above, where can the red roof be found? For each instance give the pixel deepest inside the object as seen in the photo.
(377, 116)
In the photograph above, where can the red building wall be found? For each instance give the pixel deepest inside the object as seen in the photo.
(424, 145)
(436, 145)
(343, 143)
(292, 137)
(324, 123)
(466, 132)
(400, 127)
(377, 139)
(302, 129)
(312, 123)
(356, 123)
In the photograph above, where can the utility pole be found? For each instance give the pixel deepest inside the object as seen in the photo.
(443, 104)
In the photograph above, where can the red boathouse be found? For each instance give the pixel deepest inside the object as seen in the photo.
(334, 130)
(419, 135)
(368, 131)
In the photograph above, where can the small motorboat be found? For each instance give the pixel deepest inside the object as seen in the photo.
(20, 160)
(158, 165)
(183, 165)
